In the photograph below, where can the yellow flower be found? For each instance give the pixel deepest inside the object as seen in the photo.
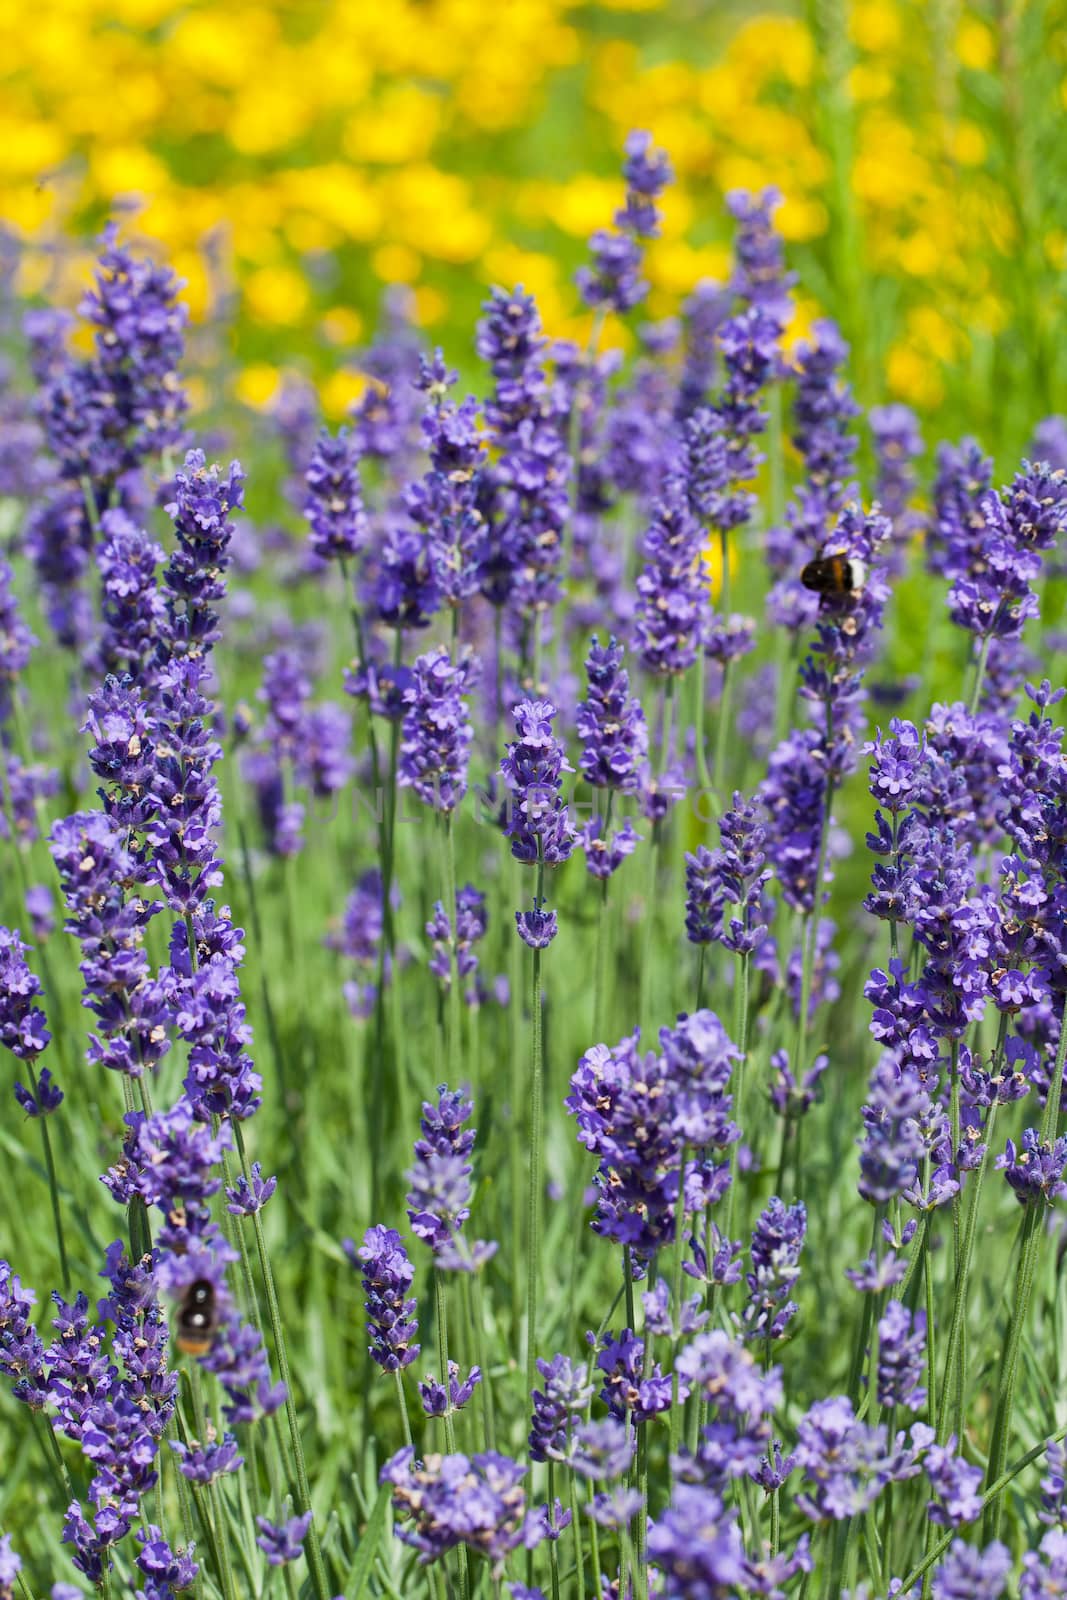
(277, 294)
(342, 325)
(340, 392)
(711, 556)
(257, 384)
(974, 44)
(875, 25)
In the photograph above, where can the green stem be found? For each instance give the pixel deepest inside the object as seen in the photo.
(722, 734)
(441, 1319)
(454, 1043)
(517, 1054)
(535, 1197)
(402, 1403)
(959, 1303)
(574, 443)
(481, 1348)
(699, 670)
(1050, 1119)
(553, 1544)
(602, 929)
(741, 1030)
(223, 1569)
(1029, 1244)
(53, 1185)
(594, 1540)
(319, 1584)
(725, 698)
(979, 673)
(676, 1291)
(50, 1446)
(645, 987)
(863, 1332)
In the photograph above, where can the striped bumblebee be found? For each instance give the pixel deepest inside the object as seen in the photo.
(197, 1318)
(836, 577)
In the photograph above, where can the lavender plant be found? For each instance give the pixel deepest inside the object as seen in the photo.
(725, 1257)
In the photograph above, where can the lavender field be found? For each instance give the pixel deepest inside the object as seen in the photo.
(534, 959)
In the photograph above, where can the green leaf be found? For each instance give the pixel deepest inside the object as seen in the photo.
(360, 1570)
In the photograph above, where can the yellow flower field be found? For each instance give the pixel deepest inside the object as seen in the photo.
(303, 154)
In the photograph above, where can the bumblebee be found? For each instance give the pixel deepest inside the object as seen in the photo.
(836, 577)
(197, 1318)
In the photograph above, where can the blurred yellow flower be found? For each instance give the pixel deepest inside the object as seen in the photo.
(257, 384)
(276, 294)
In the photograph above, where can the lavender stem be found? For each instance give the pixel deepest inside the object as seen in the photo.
(303, 1495)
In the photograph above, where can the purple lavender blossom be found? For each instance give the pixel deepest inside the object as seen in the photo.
(248, 1199)
(58, 540)
(16, 642)
(22, 1352)
(203, 1464)
(788, 1097)
(632, 1387)
(537, 927)
(639, 1155)
(438, 1202)
(794, 797)
(719, 453)
(166, 1571)
(759, 274)
(437, 1399)
(1054, 1486)
(204, 500)
(471, 924)
(731, 878)
(957, 528)
(704, 312)
(897, 444)
(131, 606)
(697, 1546)
(557, 1407)
(901, 1357)
(405, 592)
(533, 767)
(334, 503)
(847, 1463)
(436, 735)
(387, 1277)
(957, 1486)
(1045, 1570)
(610, 722)
(282, 1542)
(359, 940)
(23, 1026)
(672, 591)
(604, 855)
(823, 414)
(967, 1573)
(10, 1567)
(524, 496)
(613, 282)
(602, 1450)
(476, 1501)
(777, 1240)
(1034, 1168)
(140, 338)
(445, 502)
(96, 870)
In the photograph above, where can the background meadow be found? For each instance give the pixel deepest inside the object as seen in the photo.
(314, 665)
